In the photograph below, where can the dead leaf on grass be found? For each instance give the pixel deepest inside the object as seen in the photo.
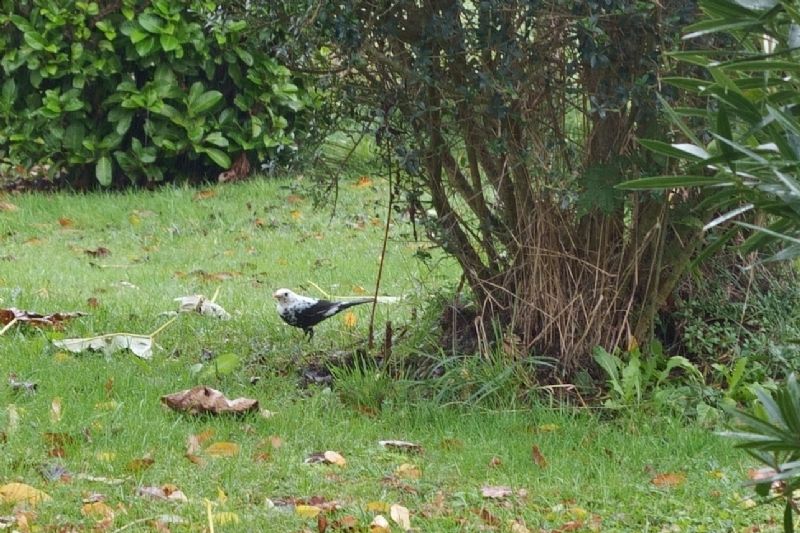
(401, 445)
(8, 206)
(204, 194)
(408, 471)
(55, 409)
(100, 251)
(307, 511)
(139, 465)
(379, 524)
(669, 479)
(205, 400)
(488, 518)
(166, 492)
(12, 493)
(139, 345)
(496, 492)
(328, 457)
(538, 457)
(345, 523)
(222, 449)
(55, 320)
(363, 182)
(401, 516)
(98, 510)
(199, 304)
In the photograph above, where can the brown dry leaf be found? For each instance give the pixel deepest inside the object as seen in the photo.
(294, 199)
(379, 524)
(759, 474)
(139, 465)
(166, 492)
(495, 461)
(401, 516)
(222, 449)
(519, 527)
(55, 409)
(8, 206)
(20, 492)
(488, 518)
(205, 400)
(538, 457)
(93, 302)
(35, 319)
(350, 320)
(328, 457)
(204, 194)
(100, 251)
(307, 511)
(496, 492)
(364, 182)
(275, 441)
(401, 446)
(65, 222)
(346, 523)
(97, 510)
(408, 471)
(669, 479)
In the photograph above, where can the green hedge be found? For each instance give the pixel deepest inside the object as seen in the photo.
(141, 91)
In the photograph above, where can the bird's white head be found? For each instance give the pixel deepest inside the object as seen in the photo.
(284, 296)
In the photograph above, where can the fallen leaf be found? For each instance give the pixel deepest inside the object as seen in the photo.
(204, 194)
(294, 199)
(100, 251)
(65, 222)
(198, 304)
(36, 319)
(379, 524)
(669, 479)
(307, 511)
(350, 320)
(518, 527)
(165, 492)
(222, 449)
(296, 214)
(488, 518)
(7, 206)
(538, 458)
(55, 409)
(363, 182)
(345, 523)
(495, 461)
(378, 507)
(408, 471)
(328, 457)
(20, 492)
(275, 441)
(139, 465)
(97, 510)
(139, 345)
(401, 516)
(496, 492)
(205, 400)
(401, 446)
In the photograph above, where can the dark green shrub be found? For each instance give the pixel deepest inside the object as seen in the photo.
(141, 91)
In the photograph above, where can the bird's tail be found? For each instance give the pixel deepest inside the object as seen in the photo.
(351, 303)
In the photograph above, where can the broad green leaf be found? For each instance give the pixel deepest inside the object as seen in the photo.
(151, 22)
(219, 157)
(205, 102)
(103, 171)
(168, 42)
(217, 139)
(678, 150)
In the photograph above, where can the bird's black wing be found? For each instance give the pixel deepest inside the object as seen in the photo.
(316, 313)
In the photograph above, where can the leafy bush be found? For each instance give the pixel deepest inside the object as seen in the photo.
(141, 91)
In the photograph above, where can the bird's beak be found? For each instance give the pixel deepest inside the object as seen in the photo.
(275, 295)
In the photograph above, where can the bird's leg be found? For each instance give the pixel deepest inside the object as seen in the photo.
(309, 333)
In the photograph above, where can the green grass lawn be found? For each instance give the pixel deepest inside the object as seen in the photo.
(95, 429)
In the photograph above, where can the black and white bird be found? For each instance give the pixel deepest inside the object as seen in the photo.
(304, 312)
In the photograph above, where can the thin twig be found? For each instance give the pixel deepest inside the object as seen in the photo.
(162, 327)
(322, 292)
(8, 326)
(383, 257)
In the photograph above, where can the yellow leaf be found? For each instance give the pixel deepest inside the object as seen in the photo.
(363, 182)
(350, 320)
(223, 449)
(204, 194)
(295, 214)
(335, 458)
(20, 492)
(408, 471)
(55, 409)
(106, 457)
(378, 507)
(548, 428)
(97, 510)
(358, 289)
(225, 517)
(307, 511)
(134, 219)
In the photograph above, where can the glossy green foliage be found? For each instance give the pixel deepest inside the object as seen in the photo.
(141, 91)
